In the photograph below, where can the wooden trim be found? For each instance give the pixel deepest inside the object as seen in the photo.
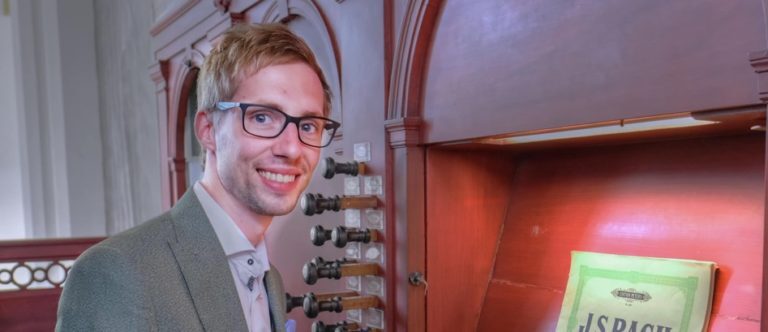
(764, 298)
(406, 228)
(406, 77)
(176, 122)
(171, 15)
(404, 132)
(281, 11)
(759, 61)
(159, 73)
(19, 250)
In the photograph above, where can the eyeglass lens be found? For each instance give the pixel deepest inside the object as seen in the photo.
(267, 122)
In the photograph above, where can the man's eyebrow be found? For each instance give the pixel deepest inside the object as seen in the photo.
(277, 107)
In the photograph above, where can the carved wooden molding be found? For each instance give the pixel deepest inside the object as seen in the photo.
(406, 77)
(222, 5)
(39, 264)
(159, 74)
(29, 275)
(283, 11)
(403, 132)
(759, 61)
(171, 15)
(276, 12)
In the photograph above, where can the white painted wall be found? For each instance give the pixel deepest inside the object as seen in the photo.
(59, 132)
(130, 129)
(11, 195)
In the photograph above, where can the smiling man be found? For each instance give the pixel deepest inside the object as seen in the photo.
(203, 265)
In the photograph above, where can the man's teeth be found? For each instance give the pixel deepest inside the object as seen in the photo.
(284, 178)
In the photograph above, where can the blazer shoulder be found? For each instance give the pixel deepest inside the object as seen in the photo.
(145, 236)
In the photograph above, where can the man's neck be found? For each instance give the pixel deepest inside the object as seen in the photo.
(253, 225)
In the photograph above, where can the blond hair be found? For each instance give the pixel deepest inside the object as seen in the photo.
(244, 50)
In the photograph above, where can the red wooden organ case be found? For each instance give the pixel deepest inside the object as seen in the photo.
(501, 135)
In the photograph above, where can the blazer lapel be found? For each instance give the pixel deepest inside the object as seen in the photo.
(205, 269)
(276, 296)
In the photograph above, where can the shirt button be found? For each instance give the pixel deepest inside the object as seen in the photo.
(250, 261)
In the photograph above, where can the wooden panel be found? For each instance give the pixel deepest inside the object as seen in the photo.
(21, 250)
(520, 65)
(29, 311)
(467, 197)
(35, 309)
(696, 199)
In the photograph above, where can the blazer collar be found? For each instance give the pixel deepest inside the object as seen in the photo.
(204, 266)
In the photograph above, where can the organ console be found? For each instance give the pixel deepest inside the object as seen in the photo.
(331, 167)
(313, 306)
(313, 204)
(312, 271)
(341, 236)
(297, 301)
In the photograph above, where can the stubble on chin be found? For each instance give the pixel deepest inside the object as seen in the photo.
(261, 202)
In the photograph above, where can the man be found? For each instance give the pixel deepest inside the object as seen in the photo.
(203, 265)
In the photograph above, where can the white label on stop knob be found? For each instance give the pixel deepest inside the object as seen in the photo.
(353, 283)
(374, 253)
(354, 315)
(375, 218)
(362, 152)
(351, 186)
(372, 185)
(353, 250)
(352, 218)
(374, 285)
(375, 318)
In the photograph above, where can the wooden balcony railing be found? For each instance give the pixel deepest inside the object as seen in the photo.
(32, 273)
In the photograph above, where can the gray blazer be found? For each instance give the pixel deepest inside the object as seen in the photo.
(168, 274)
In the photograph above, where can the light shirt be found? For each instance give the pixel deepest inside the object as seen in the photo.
(247, 263)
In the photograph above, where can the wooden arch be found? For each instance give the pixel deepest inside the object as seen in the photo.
(286, 10)
(406, 212)
(186, 80)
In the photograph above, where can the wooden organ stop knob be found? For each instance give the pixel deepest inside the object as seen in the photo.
(298, 301)
(341, 235)
(331, 167)
(337, 269)
(313, 204)
(313, 306)
(318, 235)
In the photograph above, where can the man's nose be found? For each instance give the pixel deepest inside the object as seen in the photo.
(287, 144)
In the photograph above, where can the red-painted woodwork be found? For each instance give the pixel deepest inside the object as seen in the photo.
(32, 310)
(468, 196)
(695, 199)
(509, 65)
(429, 71)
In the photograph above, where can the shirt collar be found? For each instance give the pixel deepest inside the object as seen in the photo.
(232, 239)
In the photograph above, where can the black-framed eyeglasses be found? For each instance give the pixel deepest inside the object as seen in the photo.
(268, 122)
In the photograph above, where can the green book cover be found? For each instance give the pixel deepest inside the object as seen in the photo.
(619, 293)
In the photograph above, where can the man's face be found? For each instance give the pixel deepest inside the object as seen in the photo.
(269, 174)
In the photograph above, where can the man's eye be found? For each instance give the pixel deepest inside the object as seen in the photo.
(309, 127)
(261, 117)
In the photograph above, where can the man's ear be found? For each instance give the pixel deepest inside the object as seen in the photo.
(204, 130)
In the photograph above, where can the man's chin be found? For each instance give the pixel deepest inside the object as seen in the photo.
(272, 208)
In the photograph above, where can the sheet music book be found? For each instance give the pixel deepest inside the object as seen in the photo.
(608, 292)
